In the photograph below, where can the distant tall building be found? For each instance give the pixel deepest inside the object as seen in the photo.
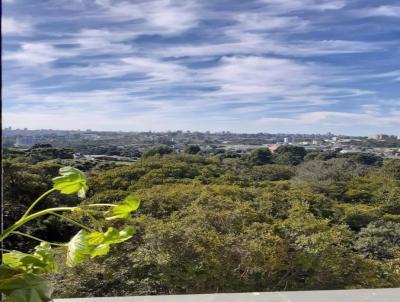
(288, 140)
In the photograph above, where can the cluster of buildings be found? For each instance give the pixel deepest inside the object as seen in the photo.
(348, 145)
(124, 142)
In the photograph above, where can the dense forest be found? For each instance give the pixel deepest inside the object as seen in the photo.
(225, 222)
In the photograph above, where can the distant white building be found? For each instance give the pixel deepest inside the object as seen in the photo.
(288, 140)
(377, 136)
(90, 136)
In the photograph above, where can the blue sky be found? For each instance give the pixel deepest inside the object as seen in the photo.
(298, 66)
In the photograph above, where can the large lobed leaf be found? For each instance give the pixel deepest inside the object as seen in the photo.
(19, 286)
(129, 205)
(113, 236)
(40, 261)
(78, 249)
(71, 181)
(94, 244)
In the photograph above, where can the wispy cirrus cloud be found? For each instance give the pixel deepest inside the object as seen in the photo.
(153, 16)
(145, 69)
(248, 43)
(33, 54)
(295, 5)
(380, 11)
(10, 25)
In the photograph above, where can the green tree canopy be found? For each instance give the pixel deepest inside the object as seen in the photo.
(193, 149)
(260, 156)
(289, 155)
(158, 150)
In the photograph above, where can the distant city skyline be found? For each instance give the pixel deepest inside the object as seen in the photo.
(290, 134)
(272, 66)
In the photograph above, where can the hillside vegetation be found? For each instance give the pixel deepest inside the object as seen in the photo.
(227, 223)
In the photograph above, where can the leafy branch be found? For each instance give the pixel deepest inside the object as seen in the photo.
(20, 273)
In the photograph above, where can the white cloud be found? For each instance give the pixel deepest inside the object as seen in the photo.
(100, 98)
(153, 16)
(150, 69)
(258, 44)
(294, 5)
(368, 118)
(11, 26)
(379, 11)
(101, 41)
(279, 84)
(159, 70)
(358, 123)
(258, 75)
(87, 42)
(33, 54)
(264, 21)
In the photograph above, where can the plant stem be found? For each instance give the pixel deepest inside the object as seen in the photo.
(94, 220)
(101, 205)
(36, 201)
(38, 239)
(24, 220)
(73, 222)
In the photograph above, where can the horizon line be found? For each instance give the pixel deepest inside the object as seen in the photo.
(197, 131)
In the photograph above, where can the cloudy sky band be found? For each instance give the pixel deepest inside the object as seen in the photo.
(254, 66)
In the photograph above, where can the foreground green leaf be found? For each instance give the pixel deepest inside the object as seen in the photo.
(41, 261)
(100, 242)
(77, 249)
(71, 181)
(129, 205)
(114, 236)
(19, 286)
(100, 250)
(94, 244)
